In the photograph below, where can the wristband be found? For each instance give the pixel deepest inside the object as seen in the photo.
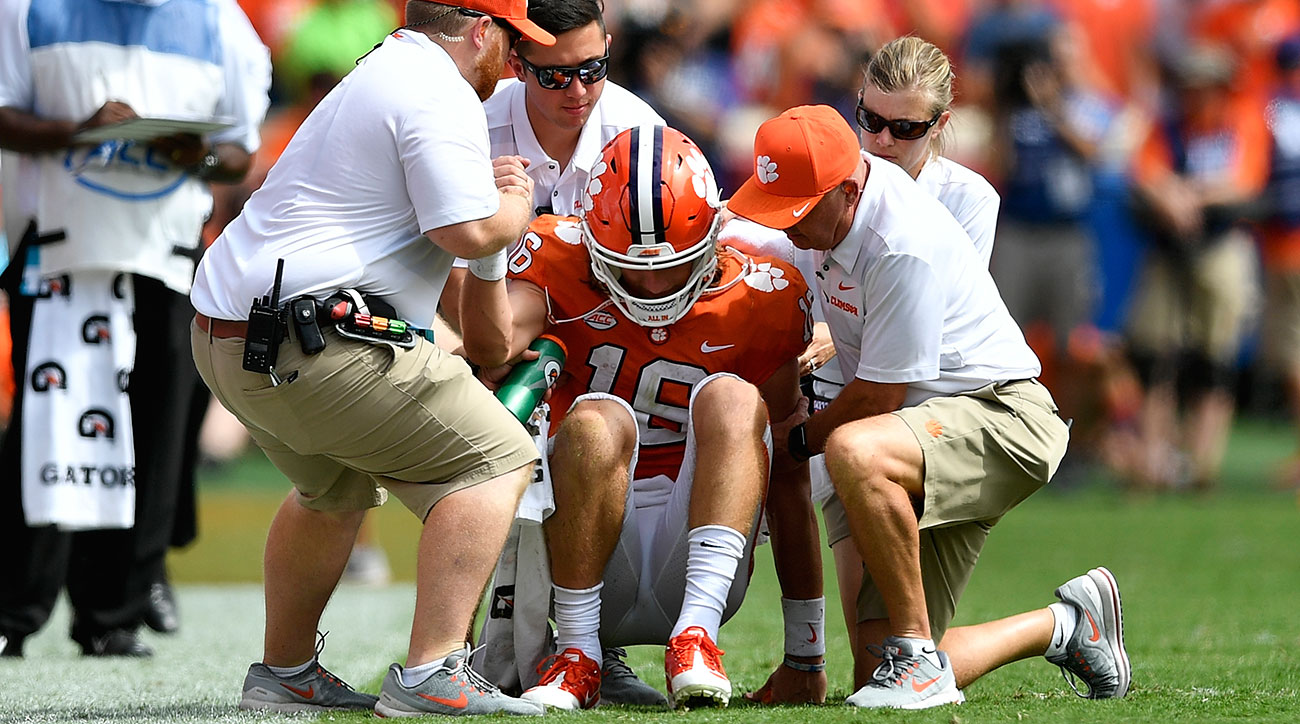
(797, 444)
(805, 623)
(801, 666)
(490, 268)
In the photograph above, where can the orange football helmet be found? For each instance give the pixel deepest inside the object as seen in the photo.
(651, 202)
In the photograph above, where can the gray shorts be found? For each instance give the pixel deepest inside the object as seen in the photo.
(360, 418)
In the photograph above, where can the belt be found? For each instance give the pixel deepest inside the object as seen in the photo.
(221, 328)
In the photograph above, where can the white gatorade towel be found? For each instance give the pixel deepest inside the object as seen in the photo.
(516, 633)
(78, 459)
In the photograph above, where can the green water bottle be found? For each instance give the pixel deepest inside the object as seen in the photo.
(527, 383)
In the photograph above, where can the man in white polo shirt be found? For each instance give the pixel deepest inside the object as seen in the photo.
(384, 183)
(941, 429)
(557, 112)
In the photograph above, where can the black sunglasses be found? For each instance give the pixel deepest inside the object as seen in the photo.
(512, 31)
(558, 77)
(873, 122)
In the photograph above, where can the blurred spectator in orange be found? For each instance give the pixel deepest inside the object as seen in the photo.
(1251, 30)
(273, 19)
(1195, 175)
(1281, 239)
(1119, 46)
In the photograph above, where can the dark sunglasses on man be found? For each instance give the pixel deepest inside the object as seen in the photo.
(903, 130)
(558, 77)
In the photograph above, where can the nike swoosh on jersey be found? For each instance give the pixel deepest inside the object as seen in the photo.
(707, 348)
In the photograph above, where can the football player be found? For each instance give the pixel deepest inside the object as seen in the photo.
(678, 352)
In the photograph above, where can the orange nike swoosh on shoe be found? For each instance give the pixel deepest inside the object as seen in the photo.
(307, 693)
(812, 640)
(459, 702)
(920, 686)
(1096, 634)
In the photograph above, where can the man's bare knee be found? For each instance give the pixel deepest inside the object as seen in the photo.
(604, 421)
(725, 404)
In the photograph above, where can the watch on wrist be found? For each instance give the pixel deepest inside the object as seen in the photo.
(797, 443)
(207, 166)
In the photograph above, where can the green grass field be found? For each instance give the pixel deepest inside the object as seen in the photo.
(1211, 588)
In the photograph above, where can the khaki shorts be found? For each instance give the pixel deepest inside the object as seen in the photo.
(1281, 331)
(1204, 305)
(994, 447)
(359, 418)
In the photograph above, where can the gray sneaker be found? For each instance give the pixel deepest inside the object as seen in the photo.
(906, 679)
(315, 689)
(620, 685)
(452, 689)
(1095, 652)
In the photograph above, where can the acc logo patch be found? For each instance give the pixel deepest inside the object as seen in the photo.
(600, 320)
(96, 423)
(49, 375)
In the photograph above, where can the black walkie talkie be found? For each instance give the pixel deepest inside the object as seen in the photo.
(262, 343)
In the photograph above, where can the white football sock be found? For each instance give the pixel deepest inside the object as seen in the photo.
(926, 648)
(412, 675)
(577, 620)
(288, 672)
(713, 553)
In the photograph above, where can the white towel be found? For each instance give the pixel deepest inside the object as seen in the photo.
(516, 634)
(78, 458)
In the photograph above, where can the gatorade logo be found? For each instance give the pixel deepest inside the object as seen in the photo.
(551, 371)
(96, 423)
(95, 329)
(60, 285)
(49, 376)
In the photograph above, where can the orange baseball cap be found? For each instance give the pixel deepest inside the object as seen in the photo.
(514, 12)
(799, 156)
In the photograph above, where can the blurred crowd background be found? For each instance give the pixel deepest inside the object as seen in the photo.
(1158, 131)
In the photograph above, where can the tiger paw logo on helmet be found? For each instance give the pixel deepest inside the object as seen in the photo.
(702, 181)
(594, 186)
(767, 170)
(767, 278)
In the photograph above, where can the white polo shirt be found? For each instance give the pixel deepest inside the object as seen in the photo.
(970, 198)
(511, 133)
(909, 301)
(398, 148)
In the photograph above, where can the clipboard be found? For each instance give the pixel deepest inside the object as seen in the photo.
(147, 129)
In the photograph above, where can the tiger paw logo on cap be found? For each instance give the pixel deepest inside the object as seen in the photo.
(767, 170)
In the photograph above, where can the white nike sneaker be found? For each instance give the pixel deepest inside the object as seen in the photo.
(906, 679)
